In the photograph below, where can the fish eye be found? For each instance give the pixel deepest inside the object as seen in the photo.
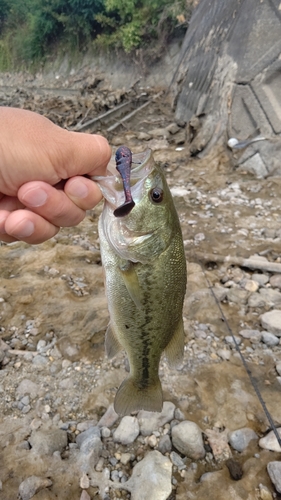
(156, 195)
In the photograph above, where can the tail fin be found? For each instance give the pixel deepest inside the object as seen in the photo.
(130, 397)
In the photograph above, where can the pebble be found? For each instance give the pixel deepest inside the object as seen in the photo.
(219, 444)
(237, 296)
(256, 300)
(39, 361)
(151, 478)
(269, 442)
(272, 297)
(84, 481)
(250, 285)
(30, 486)
(271, 321)
(90, 446)
(274, 471)
(275, 281)
(165, 444)
(26, 386)
(269, 339)
(109, 418)
(253, 335)
(152, 441)
(187, 439)
(240, 438)
(85, 495)
(92, 432)
(264, 492)
(151, 421)
(229, 339)
(261, 279)
(127, 431)
(105, 432)
(177, 460)
(235, 469)
(224, 354)
(125, 458)
(47, 441)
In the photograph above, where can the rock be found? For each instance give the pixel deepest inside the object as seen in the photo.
(265, 494)
(235, 469)
(39, 361)
(151, 478)
(165, 444)
(224, 354)
(143, 136)
(152, 441)
(237, 295)
(275, 281)
(240, 438)
(30, 486)
(256, 300)
(269, 442)
(253, 335)
(274, 471)
(125, 458)
(173, 128)
(84, 481)
(271, 321)
(187, 439)
(177, 461)
(47, 441)
(85, 495)
(151, 421)
(272, 297)
(90, 446)
(109, 418)
(27, 387)
(218, 442)
(90, 433)
(250, 285)
(127, 431)
(229, 339)
(269, 339)
(159, 132)
(261, 279)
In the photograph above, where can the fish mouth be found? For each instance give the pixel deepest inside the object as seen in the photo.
(111, 184)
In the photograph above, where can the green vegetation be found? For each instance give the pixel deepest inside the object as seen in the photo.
(32, 29)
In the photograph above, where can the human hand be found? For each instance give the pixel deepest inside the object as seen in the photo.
(42, 187)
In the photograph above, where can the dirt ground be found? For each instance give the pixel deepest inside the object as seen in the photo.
(53, 315)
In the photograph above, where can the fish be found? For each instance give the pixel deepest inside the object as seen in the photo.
(142, 254)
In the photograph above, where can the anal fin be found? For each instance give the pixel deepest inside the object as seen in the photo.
(112, 344)
(175, 349)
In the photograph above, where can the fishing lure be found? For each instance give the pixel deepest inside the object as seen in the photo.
(123, 158)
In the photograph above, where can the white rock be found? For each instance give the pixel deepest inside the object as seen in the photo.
(240, 438)
(30, 486)
(252, 335)
(187, 439)
(270, 339)
(127, 431)
(151, 478)
(271, 321)
(274, 471)
(269, 442)
(151, 421)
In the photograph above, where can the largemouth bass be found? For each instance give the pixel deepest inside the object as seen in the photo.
(145, 278)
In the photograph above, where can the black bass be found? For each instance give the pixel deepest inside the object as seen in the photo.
(145, 277)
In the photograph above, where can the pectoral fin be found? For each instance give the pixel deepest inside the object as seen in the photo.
(131, 281)
(175, 349)
(112, 344)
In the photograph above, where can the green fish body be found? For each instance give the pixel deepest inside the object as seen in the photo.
(145, 278)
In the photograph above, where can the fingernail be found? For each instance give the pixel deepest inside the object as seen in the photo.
(35, 197)
(24, 229)
(78, 190)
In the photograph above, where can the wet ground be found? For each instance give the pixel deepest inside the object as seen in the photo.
(53, 315)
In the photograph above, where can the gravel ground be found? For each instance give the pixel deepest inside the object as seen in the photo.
(59, 435)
